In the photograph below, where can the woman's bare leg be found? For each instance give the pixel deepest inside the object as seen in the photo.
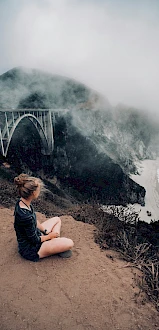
(54, 246)
(53, 224)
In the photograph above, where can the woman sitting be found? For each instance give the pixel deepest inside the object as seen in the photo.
(36, 240)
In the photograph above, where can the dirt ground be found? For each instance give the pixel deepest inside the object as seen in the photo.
(92, 290)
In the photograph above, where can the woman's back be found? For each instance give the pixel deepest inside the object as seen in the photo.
(25, 227)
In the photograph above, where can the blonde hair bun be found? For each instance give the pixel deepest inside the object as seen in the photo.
(21, 179)
(26, 185)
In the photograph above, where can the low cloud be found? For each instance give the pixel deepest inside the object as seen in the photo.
(112, 46)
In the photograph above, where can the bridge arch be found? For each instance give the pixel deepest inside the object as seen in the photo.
(42, 121)
(39, 128)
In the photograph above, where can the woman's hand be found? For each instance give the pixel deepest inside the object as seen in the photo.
(49, 236)
(53, 235)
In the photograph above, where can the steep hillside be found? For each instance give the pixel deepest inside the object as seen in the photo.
(139, 131)
(124, 134)
(96, 146)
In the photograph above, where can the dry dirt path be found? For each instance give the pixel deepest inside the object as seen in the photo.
(89, 291)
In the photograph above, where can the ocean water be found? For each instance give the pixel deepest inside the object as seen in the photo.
(149, 179)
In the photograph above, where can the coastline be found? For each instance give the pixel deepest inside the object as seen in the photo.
(149, 179)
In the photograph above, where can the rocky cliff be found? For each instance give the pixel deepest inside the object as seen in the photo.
(96, 146)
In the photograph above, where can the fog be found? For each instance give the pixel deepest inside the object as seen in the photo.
(111, 46)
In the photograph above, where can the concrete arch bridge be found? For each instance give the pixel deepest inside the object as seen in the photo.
(42, 119)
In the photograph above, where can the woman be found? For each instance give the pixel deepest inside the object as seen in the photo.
(35, 240)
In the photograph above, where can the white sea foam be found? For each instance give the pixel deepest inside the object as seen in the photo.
(149, 179)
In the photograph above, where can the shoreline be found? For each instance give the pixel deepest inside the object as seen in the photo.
(149, 179)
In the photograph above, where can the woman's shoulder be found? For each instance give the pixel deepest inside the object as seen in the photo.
(22, 212)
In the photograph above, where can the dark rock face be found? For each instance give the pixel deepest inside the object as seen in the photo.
(78, 164)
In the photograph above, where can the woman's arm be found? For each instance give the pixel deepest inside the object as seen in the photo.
(32, 235)
(30, 229)
(40, 226)
(49, 236)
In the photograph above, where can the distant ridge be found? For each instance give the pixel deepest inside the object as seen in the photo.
(59, 91)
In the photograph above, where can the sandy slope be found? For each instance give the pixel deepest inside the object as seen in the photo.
(148, 179)
(89, 291)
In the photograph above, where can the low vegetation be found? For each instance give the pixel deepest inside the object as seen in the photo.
(137, 241)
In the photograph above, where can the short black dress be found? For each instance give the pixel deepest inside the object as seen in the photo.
(28, 235)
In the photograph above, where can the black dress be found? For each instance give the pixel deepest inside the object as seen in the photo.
(28, 235)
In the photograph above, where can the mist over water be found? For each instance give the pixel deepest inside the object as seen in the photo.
(111, 46)
(158, 175)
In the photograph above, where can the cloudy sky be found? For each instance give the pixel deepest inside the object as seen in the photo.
(110, 45)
